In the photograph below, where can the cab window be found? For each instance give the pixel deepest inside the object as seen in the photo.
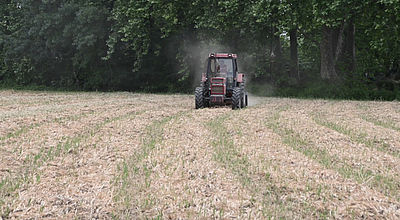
(213, 66)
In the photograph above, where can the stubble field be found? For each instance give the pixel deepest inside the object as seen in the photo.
(125, 155)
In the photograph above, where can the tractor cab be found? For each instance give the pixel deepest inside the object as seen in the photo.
(224, 67)
(221, 67)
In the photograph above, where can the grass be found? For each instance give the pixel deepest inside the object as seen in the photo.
(385, 184)
(27, 128)
(19, 131)
(229, 155)
(381, 123)
(160, 178)
(134, 173)
(351, 90)
(226, 153)
(28, 173)
(357, 136)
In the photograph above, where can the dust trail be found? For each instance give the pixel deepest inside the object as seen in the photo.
(195, 54)
(254, 100)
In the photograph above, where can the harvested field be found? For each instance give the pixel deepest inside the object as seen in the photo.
(125, 155)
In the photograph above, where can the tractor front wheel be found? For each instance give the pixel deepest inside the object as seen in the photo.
(199, 97)
(237, 98)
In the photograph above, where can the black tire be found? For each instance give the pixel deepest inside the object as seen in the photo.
(199, 98)
(206, 103)
(242, 97)
(236, 98)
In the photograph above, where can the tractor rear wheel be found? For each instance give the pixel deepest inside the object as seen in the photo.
(246, 101)
(237, 98)
(243, 99)
(199, 97)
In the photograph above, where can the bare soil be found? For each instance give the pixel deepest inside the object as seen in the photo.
(125, 155)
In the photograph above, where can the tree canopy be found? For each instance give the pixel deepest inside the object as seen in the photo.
(294, 47)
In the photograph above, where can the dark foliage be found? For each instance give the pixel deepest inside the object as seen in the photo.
(317, 49)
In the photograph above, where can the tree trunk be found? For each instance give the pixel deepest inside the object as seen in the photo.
(327, 54)
(345, 54)
(350, 47)
(276, 53)
(294, 57)
(338, 41)
(277, 47)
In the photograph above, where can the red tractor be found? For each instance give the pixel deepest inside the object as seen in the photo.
(221, 84)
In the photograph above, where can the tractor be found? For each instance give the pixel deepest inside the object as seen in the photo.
(221, 83)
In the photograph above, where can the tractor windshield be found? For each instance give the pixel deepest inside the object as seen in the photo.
(221, 67)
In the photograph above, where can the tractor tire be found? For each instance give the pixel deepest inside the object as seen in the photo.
(242, 95)
(199, 97)
(236, 98)
(206, 103)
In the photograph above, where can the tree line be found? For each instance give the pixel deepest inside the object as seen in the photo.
(318, 48)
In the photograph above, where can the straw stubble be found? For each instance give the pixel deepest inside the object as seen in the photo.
(124, 155)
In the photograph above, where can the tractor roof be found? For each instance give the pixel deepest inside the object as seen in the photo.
(223, 55)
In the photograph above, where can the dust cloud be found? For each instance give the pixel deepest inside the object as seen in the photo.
(254, 100)
(196, 53)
